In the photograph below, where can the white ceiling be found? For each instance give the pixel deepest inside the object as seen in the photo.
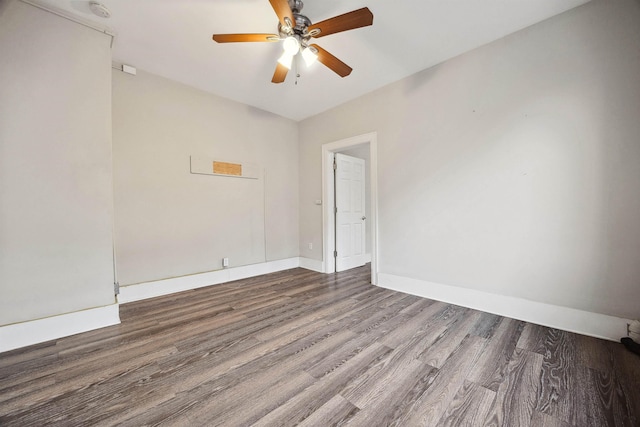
(172, 38)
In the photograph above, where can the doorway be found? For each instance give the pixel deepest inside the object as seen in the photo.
(366, 143)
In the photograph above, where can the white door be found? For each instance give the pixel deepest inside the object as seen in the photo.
(350, 214)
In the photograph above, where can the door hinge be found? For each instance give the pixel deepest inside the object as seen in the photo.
(335, 254)
(116, 288)
(335, 210)
(335, 165)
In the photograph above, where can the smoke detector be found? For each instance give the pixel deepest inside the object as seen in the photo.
(99, 9)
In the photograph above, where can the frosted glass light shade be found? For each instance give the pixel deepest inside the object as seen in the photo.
(309, 56)
(291, 45)
(286, 59)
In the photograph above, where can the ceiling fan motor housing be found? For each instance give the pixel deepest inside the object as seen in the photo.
(302, 22)
(300, 29)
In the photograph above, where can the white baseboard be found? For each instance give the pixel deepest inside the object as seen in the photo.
(41, 330)
(312, 264)
(158, 288)
(319, 266)
(50, 328)
(554, 316)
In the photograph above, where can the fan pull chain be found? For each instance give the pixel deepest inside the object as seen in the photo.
(297, 59)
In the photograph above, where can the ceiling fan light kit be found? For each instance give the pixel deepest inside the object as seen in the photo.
(296, 30)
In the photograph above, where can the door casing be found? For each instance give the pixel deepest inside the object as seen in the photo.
(328, 218)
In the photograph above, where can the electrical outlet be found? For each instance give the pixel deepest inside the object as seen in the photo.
(311, 246)
(225, 262)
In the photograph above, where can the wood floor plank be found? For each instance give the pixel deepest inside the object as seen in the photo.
(337, 411)
(300, 359)
(596, 398)
(417, 324)
(627, 400)
(469, 407)
(217, 392)
(420, 339)
(624, 360)
(491, 367)
(383, 316)
(73, 406)
(517, 396)
(227, 411)
(487, 324)
(299, 347)
(261, 357)
(76, 379)
(433, 403)
(448, 341)
(389, 377)
(543, 420)
(533, 338)
(326, 312)
(594, 353)
(556, 393)
(320, 367)
(626, 369)
(130, 347)
(386, 402)
(27, 358)
(306, 405)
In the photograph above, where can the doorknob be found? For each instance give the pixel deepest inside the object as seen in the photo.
(364, 217)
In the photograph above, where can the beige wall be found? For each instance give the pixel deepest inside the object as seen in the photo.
(512, 169)
(55, 165)
(172, 223)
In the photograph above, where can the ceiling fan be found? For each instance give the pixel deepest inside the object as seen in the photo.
(296, 31)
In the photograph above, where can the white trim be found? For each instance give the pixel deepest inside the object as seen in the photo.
(50, 328)
(328, 219)
(312, 264)
(157, 288)
(327, 196)
(318, 265)
(554, 316)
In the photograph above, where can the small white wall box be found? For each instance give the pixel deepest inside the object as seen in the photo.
(129, 69)
(225, 262)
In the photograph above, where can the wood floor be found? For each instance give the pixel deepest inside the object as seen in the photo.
(302, 348)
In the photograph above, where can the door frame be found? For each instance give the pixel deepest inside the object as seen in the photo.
(328, 219)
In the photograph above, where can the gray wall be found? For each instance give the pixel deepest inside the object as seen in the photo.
(55, 165)
(172, 223)
(512, 169)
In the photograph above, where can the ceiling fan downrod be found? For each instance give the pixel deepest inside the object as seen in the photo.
(296, 5)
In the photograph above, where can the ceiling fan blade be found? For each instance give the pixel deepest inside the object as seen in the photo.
(232, 38)
(282, 9)
(280, 74)
(348, 21)
(339, 67)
